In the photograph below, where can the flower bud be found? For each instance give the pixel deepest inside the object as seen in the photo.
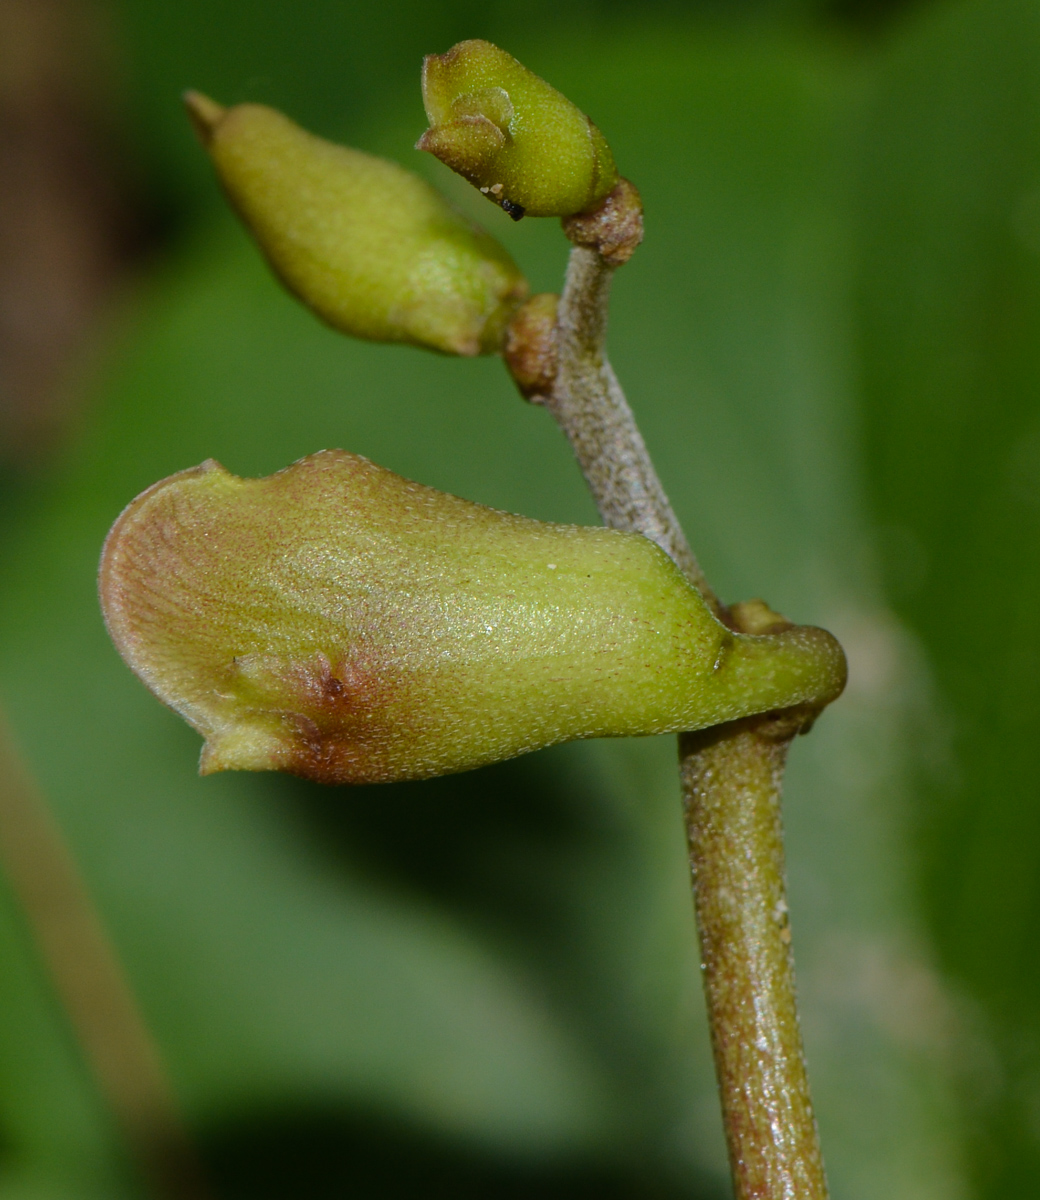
(367, 245)
(519, 140)
(339, 622)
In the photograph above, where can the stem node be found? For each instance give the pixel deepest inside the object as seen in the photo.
(614, 229)
(731, 775)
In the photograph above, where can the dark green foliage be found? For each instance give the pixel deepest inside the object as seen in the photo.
(951, 313)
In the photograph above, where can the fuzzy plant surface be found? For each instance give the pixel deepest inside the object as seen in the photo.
(340, 623)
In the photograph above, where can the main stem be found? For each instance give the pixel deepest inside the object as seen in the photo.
(731, 782)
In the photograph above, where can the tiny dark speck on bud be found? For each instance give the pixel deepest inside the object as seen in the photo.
(516, 211)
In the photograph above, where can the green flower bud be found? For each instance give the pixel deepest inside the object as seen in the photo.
(519, 140)
(339, 622)
(367, 245)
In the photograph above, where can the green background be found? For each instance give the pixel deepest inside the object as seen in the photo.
(487, 985)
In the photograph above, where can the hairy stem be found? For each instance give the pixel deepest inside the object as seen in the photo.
(731, 782)
(591, 408)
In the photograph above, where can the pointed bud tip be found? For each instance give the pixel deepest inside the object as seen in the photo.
(465, 145)
(369, 247)
(205, 114)
(245, 747)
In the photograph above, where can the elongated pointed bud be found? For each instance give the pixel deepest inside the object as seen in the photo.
(511, 134)
(339, 622)
(370, 247)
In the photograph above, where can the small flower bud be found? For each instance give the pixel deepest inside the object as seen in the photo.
(367, 245)
(511, 134)
(339, 622)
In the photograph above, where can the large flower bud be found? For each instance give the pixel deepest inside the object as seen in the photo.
(339, 622)
(519, 140)
(370, 247)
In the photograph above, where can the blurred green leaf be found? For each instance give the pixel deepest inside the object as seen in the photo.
(58, 1141)
(506, 959)
(950, 300)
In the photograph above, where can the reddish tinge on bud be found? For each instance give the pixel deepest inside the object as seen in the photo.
(339, 622)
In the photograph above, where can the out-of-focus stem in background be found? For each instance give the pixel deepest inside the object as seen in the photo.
(69, 230)
(68, 225)
(84, 968)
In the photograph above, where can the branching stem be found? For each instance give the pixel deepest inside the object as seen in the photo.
(591, 408)
(731, 781)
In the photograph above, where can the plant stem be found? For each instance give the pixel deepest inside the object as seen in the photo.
(731, 781)
(591, 408)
